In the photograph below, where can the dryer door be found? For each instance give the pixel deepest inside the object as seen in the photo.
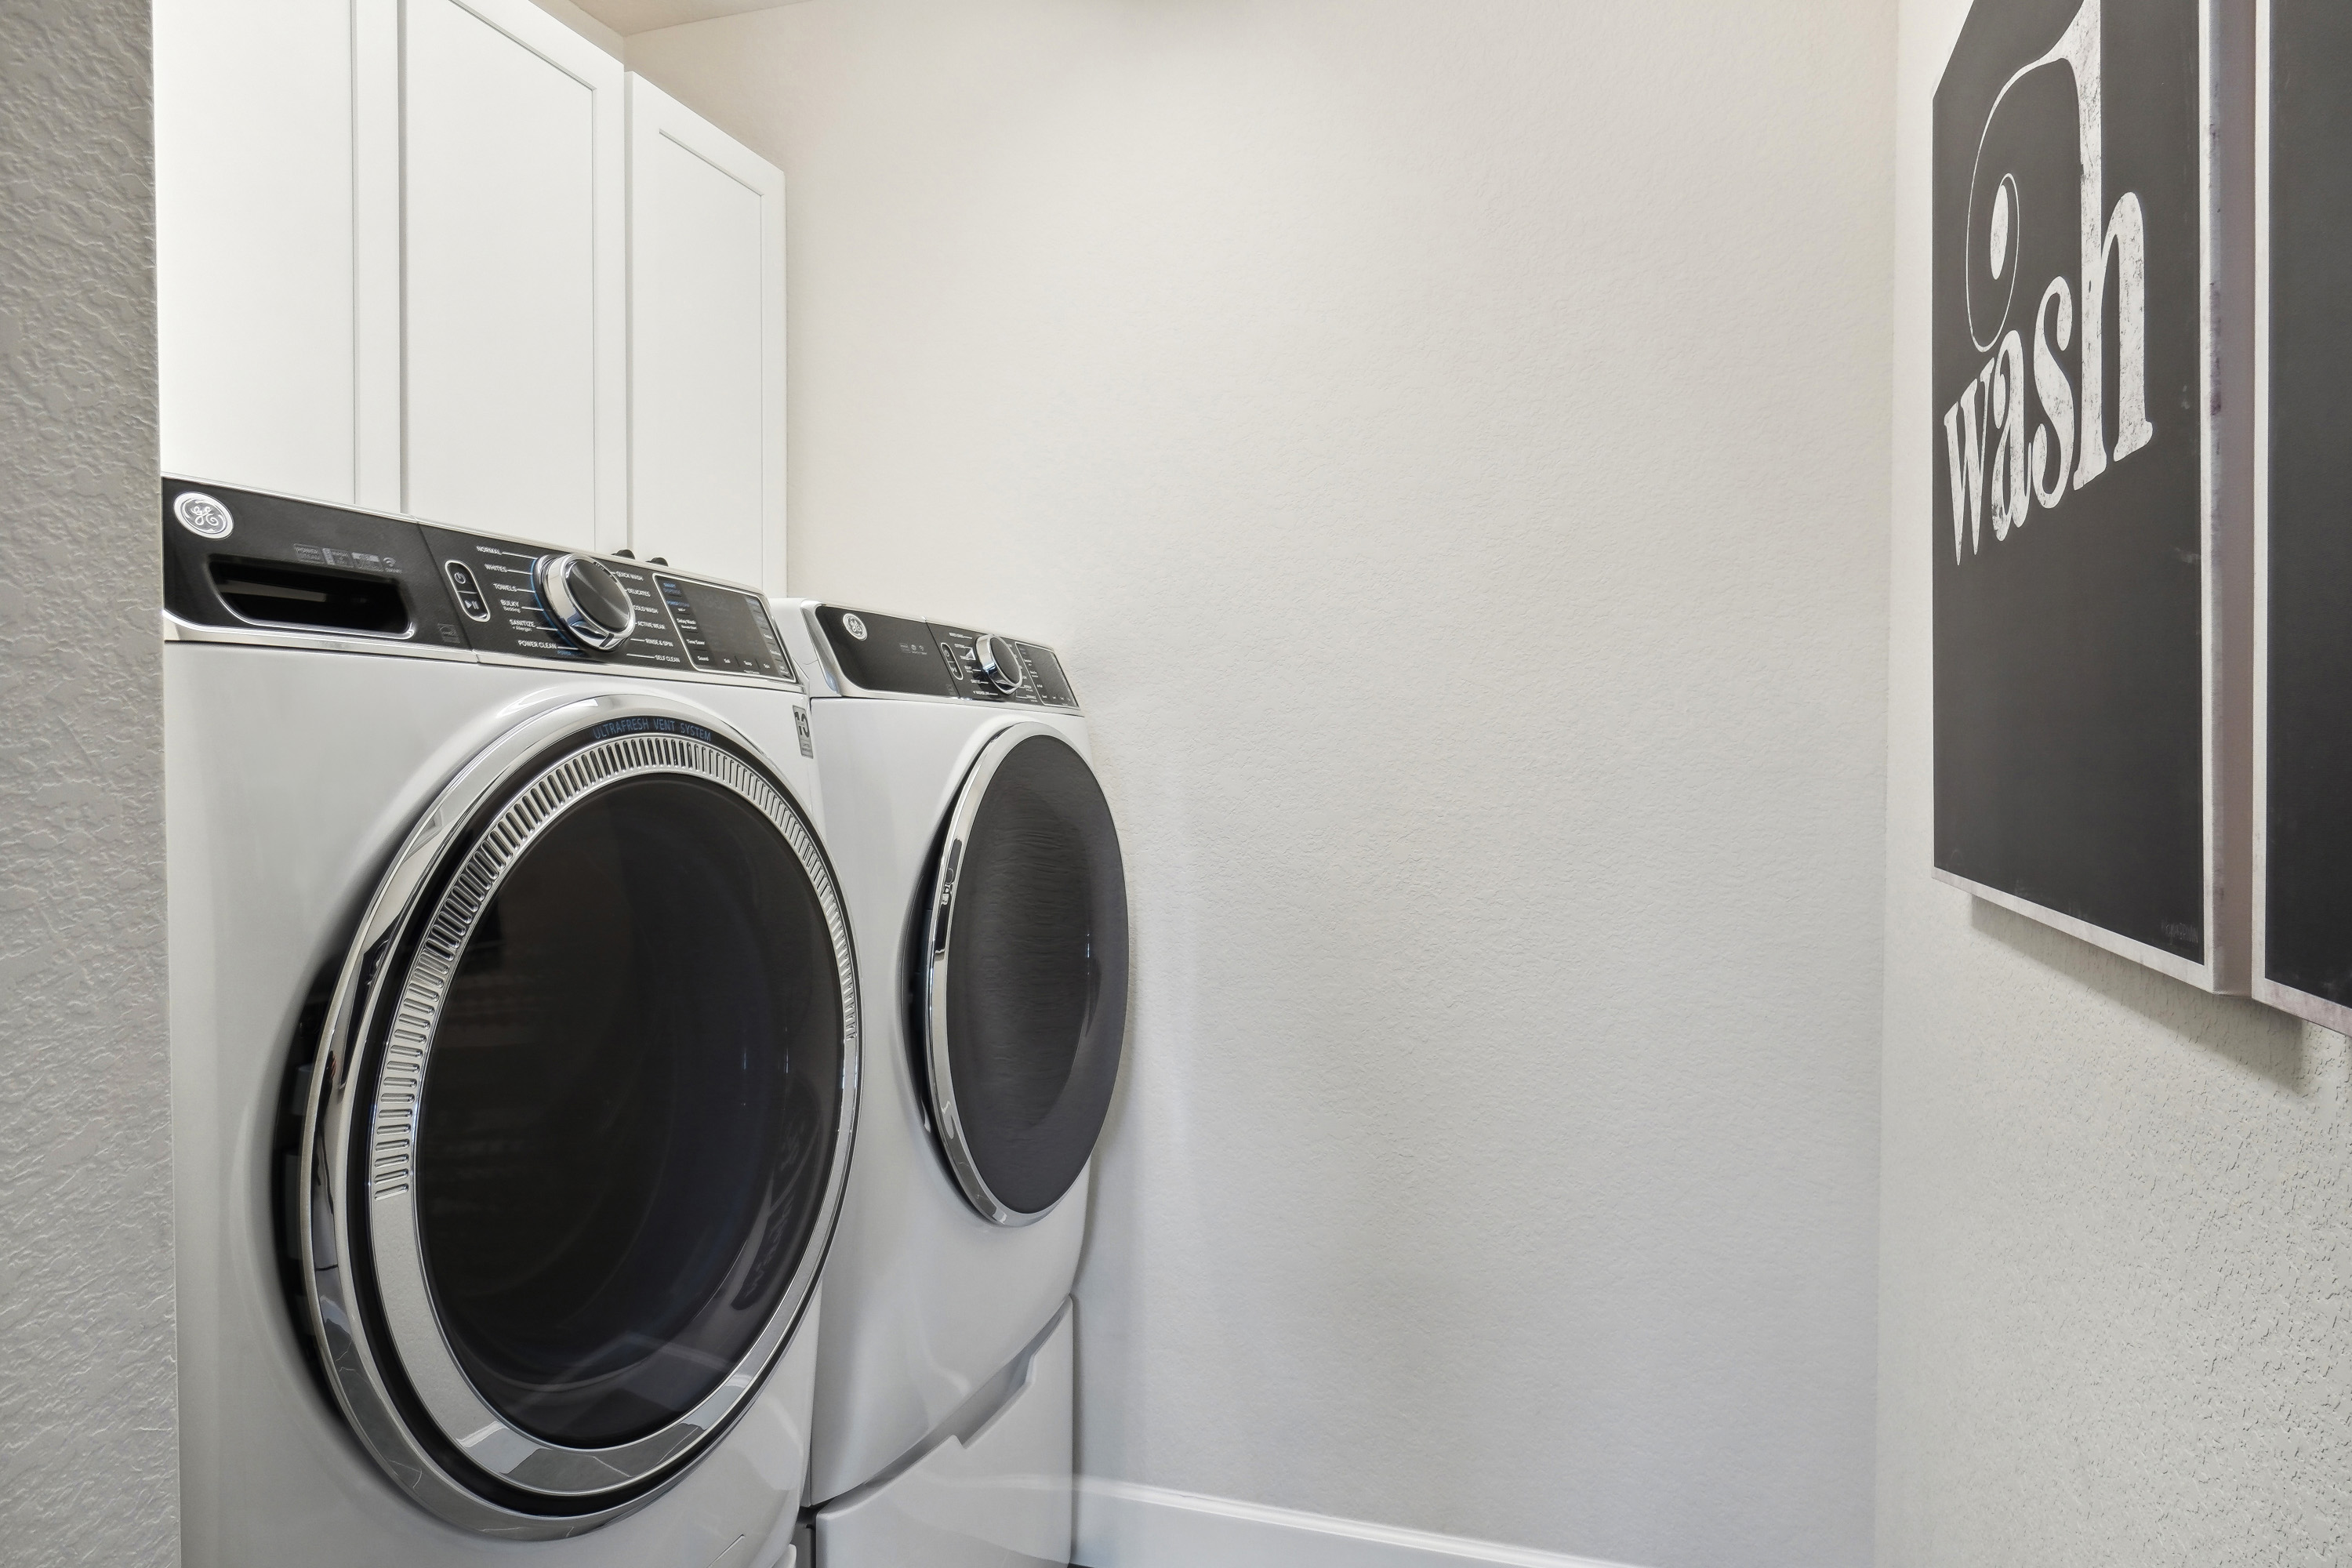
(1021, 975)
(582, 1117)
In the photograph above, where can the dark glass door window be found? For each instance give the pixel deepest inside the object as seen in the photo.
(630, 1111)
(1035, 998)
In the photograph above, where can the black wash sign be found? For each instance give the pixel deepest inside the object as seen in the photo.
(2069, 594)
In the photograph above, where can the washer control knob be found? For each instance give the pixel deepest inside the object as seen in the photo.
(999, 664)
(586, 600)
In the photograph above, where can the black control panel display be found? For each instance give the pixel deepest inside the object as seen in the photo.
(1053, 687)
(725, 630)
(887, 653)
(236, 559)
(890, 653)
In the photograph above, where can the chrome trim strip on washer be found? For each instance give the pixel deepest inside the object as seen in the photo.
(339, 1175)
(588, 665)
(827, 666)
(200, 481)
(938, 927)
(178, 630)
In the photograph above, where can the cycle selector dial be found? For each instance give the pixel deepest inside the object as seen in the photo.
(587, 601)
(999, 665)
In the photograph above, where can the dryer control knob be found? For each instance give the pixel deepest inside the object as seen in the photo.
(998, 663)
(586, 600)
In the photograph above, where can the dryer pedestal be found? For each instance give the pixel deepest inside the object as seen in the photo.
(989, 1490)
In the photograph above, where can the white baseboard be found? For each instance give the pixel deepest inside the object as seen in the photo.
(1124, 1524)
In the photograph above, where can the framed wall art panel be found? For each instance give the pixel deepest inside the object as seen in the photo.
(2303, 512)
(2094, 379)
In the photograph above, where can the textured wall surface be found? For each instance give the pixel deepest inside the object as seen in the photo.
(87, 1441)
(1449, 442)
(2117, 1237)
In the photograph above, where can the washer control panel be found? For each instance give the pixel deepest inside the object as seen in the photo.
(881, 653)
(273, 566)
(531, 612)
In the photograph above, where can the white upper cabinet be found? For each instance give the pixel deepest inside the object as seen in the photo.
(706, 346)
(254, 243)
(446, 257)
(514, 387)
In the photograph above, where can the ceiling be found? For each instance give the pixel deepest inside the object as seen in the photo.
(626, 16)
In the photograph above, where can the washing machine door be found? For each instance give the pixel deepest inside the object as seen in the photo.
(580, 1118)
(1021, 975)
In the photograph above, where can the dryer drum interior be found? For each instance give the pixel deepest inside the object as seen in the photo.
(1022, 976)
(581, 1141)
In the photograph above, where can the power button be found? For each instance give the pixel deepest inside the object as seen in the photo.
(469, 592)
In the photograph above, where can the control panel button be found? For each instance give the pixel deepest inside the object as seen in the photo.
(586, 600)
(469, 591)
(999, 665)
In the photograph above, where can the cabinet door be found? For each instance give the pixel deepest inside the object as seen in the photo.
(706, 345)
(254, 243)
(512, 234)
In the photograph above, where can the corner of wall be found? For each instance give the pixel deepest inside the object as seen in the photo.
(88, 1402)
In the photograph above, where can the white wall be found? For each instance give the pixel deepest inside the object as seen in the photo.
(88, 1438)
(2116, 1240)
(1448, 441)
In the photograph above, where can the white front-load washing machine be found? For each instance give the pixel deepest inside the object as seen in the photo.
(985, 883)
(515, 1036)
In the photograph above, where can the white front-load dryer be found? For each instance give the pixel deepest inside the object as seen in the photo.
(515, 1036)
(985, 883)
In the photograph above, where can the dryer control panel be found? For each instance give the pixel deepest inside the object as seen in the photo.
(249, 566)
(878, 655)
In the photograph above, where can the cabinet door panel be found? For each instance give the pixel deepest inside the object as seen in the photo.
(512, 386)
(253, 242)
(706, 235)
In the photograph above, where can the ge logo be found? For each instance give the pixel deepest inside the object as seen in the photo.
(202, 515)
(850, 624)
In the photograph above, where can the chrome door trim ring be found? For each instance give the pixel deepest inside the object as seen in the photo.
(939, 924)
(372, 1055)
